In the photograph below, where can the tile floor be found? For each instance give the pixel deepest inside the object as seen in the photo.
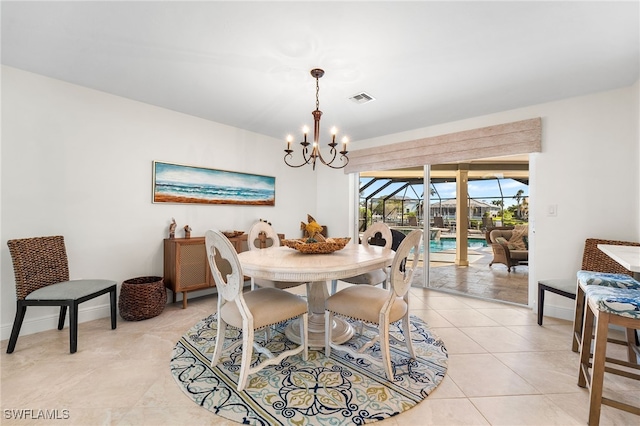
(504, 370)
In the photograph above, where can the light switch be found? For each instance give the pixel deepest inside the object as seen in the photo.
(552, 210)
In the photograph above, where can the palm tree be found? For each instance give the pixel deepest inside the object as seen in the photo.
(519, 197)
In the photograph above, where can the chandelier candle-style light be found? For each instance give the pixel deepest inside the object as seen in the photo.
(311, 157)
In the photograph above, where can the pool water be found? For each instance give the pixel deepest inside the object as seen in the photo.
(450, 244)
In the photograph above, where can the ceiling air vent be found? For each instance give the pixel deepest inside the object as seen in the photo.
(362, 98)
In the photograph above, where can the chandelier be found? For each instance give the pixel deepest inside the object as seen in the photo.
(311, 157)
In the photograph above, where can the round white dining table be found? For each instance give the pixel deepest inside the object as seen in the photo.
(287, 264)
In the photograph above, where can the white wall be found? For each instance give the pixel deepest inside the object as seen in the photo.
(635, 111)
(77, 162)
(333, 191)
(588, 167)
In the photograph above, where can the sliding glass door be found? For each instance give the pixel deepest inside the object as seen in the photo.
(456, 205)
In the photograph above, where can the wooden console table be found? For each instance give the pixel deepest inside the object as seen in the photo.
(186, 267)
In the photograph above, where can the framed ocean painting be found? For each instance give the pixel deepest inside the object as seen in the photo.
(175, 183)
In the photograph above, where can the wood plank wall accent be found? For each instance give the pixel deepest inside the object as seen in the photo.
(519, 137)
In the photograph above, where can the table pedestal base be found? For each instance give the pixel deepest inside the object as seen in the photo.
(342, 331)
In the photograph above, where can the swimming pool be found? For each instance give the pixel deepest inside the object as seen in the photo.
(450, 244)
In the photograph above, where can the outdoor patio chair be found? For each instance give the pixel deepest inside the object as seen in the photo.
(504, 252)
(487, 222)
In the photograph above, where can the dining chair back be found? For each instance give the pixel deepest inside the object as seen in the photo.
(252, 311)
(262, 236)
(41, 270)
(401, 275)
(378, 234)
(377, 308)
(397, 237)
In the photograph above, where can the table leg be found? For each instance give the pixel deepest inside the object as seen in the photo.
(317, 293)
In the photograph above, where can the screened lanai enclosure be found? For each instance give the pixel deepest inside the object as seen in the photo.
(397, 197)
(496, 194)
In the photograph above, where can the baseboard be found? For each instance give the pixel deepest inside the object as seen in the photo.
(557, 312)
(50, 322)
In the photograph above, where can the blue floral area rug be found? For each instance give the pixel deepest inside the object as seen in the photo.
(320, 391)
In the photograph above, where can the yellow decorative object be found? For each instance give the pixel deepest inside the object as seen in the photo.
(312, 230)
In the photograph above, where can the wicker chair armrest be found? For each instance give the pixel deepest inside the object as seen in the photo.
(501, 253)
(502, 245)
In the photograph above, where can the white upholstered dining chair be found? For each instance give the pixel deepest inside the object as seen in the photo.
(376, 308)
(378, 234)
(261, 236)
(255, 310)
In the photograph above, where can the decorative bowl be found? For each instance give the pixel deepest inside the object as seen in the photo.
(320, 247)
(231, 234)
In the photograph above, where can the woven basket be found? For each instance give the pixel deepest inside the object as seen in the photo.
(142, 298)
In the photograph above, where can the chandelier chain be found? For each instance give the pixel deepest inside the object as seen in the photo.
(317, 93)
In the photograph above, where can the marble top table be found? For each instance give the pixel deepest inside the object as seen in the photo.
(627, 256)
(287, 264)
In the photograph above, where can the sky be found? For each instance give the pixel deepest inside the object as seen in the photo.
(479, 190)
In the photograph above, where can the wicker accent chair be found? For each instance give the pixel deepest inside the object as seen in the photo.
(502, 253)
(262, 236)
(255, 310)
(376, 308)
(41, 271)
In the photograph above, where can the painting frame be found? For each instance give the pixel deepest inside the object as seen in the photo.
(174, 183)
